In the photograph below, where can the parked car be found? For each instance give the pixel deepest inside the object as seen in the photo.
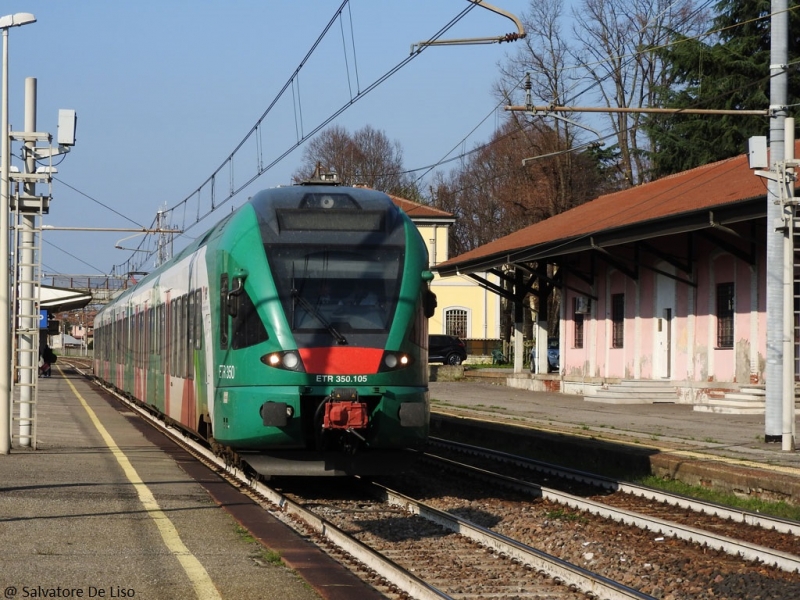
(446, 349)
(552, 356)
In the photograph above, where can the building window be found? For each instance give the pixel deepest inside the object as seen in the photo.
(455, 322)
(577, 318)
(725, 315)
(617, 320)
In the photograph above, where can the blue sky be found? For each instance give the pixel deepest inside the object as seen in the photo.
(165, 90)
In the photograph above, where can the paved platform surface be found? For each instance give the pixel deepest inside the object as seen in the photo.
(98, 511)
(672, 438)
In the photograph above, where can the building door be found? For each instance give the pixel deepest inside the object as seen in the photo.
(662, 351)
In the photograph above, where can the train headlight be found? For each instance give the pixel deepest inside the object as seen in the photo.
(288, 360)
(393, 361)
(291, 360)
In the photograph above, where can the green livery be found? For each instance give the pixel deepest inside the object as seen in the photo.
(293, 334)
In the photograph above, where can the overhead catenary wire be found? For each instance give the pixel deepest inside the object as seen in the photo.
(263, 168)
(302, 136)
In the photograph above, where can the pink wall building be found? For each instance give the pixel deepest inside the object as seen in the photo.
(664, 283)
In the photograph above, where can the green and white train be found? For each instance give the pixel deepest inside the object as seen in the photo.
(292, 335)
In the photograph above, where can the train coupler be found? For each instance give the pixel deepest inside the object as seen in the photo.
(344, 411)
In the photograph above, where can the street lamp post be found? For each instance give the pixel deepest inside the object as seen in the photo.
(6, 23)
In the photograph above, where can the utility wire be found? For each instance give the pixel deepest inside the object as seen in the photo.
(72, 255)
(96, 201)
(211, 180)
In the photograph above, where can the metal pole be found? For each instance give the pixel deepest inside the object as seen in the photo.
(7, 21)
(779, 27)
(787, 438)
(5, 331)
(26, 284)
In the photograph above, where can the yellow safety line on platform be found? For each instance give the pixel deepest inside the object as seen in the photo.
(739, 462)
(203, 586)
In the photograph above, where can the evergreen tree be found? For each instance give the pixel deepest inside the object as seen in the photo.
(730, 71)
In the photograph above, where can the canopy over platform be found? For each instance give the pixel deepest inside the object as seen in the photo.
(56, 300)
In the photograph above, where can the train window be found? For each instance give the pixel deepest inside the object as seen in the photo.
(137, 338)
(223, 310)
(126, 339)
(118, 341)
(174, 336)
(190, 320)
(143, 337)
(198, 319)
(154, 339)
(248, 329)
(330, 288)
(186, 341)
(149, 328)
(179, 366)
(173, 325)
(161, 332)
(164, 346)
(180, 340)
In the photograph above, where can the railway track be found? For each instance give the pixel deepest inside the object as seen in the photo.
(453, 554)
(659, 556)
(497, 566)
(673, 514)
(472, 539)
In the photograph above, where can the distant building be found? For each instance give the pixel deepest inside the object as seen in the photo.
(464, 307)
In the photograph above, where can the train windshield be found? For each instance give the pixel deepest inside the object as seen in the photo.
(338, 290)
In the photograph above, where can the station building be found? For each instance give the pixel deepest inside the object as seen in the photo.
(663, 283)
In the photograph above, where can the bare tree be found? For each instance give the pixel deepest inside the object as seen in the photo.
(366, 157)
(493, 193)
(544, 60)
(617, 48)
(610, 57)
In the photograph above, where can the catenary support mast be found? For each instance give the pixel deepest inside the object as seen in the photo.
(774, 370)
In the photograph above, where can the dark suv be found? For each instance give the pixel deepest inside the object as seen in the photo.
(447, 349)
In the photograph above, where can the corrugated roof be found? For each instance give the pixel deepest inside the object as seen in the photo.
(719, 184)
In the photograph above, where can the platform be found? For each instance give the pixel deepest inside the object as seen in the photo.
(100, 511)
(670, 440)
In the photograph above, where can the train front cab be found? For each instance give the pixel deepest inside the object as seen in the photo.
(308, 382)
(320, 410)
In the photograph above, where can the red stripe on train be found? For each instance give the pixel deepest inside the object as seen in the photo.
(341, 360)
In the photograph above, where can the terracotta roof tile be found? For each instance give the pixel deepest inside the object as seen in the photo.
(716, 184)
(414, 209)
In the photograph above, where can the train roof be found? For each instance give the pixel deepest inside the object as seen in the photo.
(361, 205)
(311, 209)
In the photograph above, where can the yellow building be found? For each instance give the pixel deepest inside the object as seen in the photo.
(464, 308)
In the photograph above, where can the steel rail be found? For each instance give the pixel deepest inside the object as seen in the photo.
(396, 575)
(701, 506)
(752, 552)
(385, 568)
(568, 573)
